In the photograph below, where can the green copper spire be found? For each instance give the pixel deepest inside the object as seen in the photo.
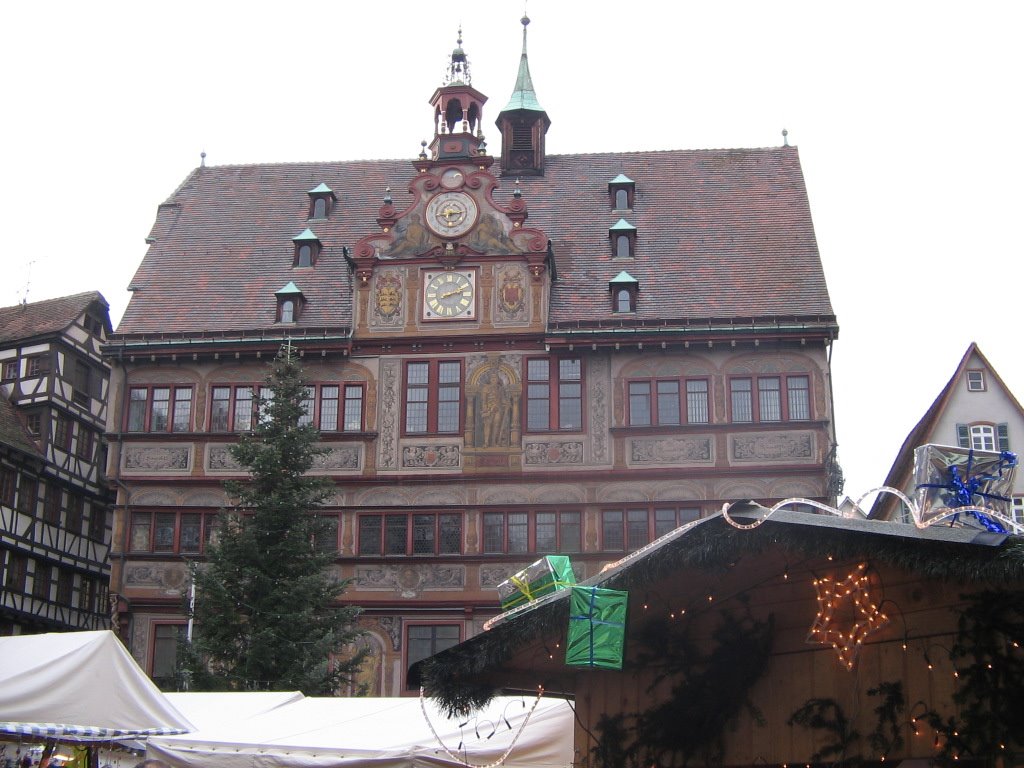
(523, 96)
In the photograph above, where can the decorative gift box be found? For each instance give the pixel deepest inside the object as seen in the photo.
(947, 478)
(597, 628)
(536, 580)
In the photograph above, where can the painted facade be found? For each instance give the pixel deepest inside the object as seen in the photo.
(499, 367)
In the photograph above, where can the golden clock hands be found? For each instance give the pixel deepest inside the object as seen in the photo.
(451, 293)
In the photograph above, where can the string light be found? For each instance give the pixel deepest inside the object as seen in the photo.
(867, 617)
(508, 751)
(935, 514)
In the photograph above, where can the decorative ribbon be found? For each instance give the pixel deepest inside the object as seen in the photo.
(962, 490)
(523, 585)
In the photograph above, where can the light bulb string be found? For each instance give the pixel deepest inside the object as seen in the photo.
(938, 514)
(460, 760)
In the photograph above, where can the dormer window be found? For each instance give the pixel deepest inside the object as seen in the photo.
(621, 191)
(307, 249)
(321, 201)
(287, 311)
(623, 239)
(289, 303)
(623, 289)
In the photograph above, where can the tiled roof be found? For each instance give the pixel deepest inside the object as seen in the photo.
(12, 431)
(720, 234)
(38, 318)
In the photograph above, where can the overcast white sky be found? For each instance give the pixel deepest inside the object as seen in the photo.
(907, 115)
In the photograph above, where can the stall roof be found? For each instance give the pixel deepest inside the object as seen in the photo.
(79, 686)
(364, 732)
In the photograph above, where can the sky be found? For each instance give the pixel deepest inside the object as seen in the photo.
(907, 115)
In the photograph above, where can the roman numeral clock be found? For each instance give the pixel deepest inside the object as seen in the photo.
(449, 295)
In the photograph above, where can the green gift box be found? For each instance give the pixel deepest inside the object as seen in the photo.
(536, 580)
(597, 628)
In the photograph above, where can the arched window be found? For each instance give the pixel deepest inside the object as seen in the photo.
(621, 199)
(623, 300)
(287, 311)
(622, 249)
(319, 208)
(305, 257)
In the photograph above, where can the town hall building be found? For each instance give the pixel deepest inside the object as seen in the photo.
(509, 355)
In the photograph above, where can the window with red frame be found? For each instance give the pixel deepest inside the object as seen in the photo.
(769, 398)
(554, 394)
(334, 407)
(410, 534)
(233, 408)
(160, 409)
(531, 531)
(171, 532)
(658, 402)
(433, 397)
(424, 640)
(167, 638)
(628, 529)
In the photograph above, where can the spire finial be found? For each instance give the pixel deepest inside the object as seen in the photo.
(785, 137)
(458, 69)
(202, 159)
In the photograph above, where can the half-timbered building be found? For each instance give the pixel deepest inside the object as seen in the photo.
(509, 355)
(55, 506)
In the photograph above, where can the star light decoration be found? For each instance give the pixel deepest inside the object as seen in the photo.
(832, 596)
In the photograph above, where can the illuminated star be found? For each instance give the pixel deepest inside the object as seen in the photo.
(842, 602)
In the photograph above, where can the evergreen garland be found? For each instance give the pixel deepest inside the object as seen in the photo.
(989, 662)
(826, 715)
(709, 693)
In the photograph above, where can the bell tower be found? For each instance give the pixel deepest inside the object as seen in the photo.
(523, 124)
(458, 112)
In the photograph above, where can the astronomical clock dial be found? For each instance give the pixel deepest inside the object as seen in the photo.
(452, 178)
(451, 214)
(449, 295)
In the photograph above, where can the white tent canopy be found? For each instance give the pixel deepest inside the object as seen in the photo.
(79, 686)
(365, 732)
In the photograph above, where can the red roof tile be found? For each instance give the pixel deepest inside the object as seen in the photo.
(13, 433)
(720, 234)
(38, 318)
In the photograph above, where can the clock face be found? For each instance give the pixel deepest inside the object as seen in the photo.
(451, 214)
(449, 295)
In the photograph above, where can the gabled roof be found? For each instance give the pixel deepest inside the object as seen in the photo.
(719, 228)
(38, 318)
(13, 433)
(903, 466)
(457, 677)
